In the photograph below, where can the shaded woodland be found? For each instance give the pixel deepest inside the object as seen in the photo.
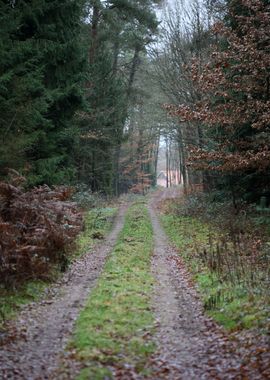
(92, 91)
(101, 103)
(67, 88)
(83, 88)
(219, 53)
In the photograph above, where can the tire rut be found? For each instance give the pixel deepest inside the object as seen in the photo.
(44, 329)
(190, 345)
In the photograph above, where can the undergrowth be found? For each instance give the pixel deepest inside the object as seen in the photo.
(97, 223)
(12, 300)
(229, 259)
(37, 230)
(111, 332)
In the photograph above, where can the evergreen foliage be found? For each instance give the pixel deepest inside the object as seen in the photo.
(40, 76)
(66, 85)
(119, 33)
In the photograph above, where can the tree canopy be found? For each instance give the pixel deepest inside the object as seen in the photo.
(82, 85)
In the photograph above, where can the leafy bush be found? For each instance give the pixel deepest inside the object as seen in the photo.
(86, 199)
(37, 228)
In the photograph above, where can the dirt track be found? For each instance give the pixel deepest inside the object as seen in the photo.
(190, 345)
(43, 330)
(184, 346)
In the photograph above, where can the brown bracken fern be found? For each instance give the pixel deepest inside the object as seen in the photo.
(37, 229)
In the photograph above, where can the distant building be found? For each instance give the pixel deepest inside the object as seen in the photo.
(162, 179)
(174, 178)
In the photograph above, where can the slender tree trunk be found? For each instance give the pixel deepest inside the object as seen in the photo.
(134, 66)
(170, 164)
(94, 33)
(182, 156)
(167, 164)
(206, 181)
(156, 157)
(117, 169)
(115, 55)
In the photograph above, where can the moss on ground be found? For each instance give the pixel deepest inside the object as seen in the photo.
(111, 331)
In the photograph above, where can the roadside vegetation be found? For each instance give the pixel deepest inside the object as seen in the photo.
(97, 224)
(228, 256)
(112, 332)
(42, 231)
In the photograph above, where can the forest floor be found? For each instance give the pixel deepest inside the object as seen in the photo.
(33, 342)
(189, 345)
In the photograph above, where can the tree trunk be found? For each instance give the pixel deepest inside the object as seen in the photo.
(117, 169)
(115, 56)
(94, 33)
(182, 156)
(156, 157)
(167, 164)
(206, 181)
(134, 66)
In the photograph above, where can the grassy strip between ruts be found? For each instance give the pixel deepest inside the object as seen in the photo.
(230, 305)
(98, 222)
(112, 331)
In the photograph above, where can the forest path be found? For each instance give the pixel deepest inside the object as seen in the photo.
(43, 330)
(190, 345)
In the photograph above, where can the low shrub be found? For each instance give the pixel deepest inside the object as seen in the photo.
(227, 250)
(86, 199)
(37, 229)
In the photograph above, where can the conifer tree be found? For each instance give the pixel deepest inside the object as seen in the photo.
(58, 35)
(118, 32)
(41, 71)
(23, 98)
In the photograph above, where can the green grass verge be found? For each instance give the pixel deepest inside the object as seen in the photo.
(12, 300)
(111, 330)
(231, 306)
(98, 222)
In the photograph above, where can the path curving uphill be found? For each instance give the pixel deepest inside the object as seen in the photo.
(44, 330)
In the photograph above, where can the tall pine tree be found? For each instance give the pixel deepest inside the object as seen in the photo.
(118, 31)
(41, 74)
